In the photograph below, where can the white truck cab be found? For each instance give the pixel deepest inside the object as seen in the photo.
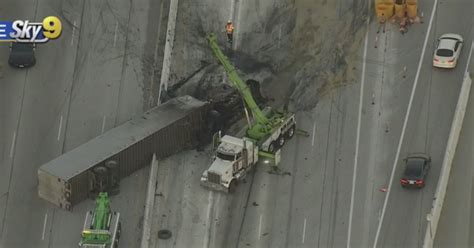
(233, 158)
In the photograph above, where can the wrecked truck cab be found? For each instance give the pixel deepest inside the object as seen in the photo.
(231, 162)
(218, 176)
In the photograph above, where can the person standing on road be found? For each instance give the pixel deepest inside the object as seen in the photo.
(403, 24)
(229, 29)
(382, 21)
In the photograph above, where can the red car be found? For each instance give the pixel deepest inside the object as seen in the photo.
(416, 168)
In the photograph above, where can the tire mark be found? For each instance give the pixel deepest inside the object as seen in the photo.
(325, 169)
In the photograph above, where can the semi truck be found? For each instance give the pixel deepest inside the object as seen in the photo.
(266, 133)
(102, 227)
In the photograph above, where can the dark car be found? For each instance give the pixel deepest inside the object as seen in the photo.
(22, 55)
(416, 169)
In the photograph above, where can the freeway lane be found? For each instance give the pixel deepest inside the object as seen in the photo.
(61, 103)
(30, 95)
(38, 137)
(112, 69)
(456, 223)
(312, 206)
(11, 90)
(307, 204)
(427, 131)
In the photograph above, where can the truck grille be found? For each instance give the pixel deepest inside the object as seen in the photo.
(214, 178)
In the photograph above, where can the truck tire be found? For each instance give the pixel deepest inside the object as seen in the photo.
(281, 141)
(291, 132)
(111, 164)
(164, 234)
(272, 147)
(232, 186)
(100, 170)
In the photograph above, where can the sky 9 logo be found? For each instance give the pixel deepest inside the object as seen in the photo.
(31, 32)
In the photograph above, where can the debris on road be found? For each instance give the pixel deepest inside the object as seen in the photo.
(164, 234)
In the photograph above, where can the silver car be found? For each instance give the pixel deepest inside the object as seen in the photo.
(448, 50)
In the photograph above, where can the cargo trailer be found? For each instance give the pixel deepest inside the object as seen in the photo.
(164, 130)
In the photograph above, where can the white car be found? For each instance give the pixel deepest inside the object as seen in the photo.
(447, 51)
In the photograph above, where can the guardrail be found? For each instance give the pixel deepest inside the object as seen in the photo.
(170, 31)
(149, 203)
(456, 126)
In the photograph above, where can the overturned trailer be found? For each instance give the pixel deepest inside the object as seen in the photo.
(164, 130)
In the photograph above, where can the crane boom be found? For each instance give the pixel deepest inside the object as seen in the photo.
(102, 211)
(238, 83)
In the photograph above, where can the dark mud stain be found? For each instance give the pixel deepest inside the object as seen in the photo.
(248, 63)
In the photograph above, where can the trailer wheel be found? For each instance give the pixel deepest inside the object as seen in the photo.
(100, 170)
(291, 132)
(232, 186)
(281, 141)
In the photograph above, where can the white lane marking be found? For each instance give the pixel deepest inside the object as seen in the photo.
(359, 117)
(103, 124)
(60, 126)
(279, 37)
(304, 230)
(218, 200)
(314, 133)
(407, 115)
(208, 217)
(73, 32)
(115, 33)
(44, 225)
(260, 227)
(232, 7)
(13, 144)
(468, 59)
(237, 26)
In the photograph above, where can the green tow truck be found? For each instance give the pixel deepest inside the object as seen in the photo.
(267, 132)
(102, 226)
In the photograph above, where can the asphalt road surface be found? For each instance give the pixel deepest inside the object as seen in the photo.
(456, 225)
(92, 78)
(307, 203)
(427, 130)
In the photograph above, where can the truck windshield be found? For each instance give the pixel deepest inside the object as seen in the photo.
(225, 156)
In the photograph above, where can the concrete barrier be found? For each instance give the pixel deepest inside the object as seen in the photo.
(165, 70)
(456, 126)
(149, 203)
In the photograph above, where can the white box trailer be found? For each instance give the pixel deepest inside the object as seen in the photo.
(164, 130)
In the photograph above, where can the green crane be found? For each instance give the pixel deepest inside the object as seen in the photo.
(102, 226)
(262, 125)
